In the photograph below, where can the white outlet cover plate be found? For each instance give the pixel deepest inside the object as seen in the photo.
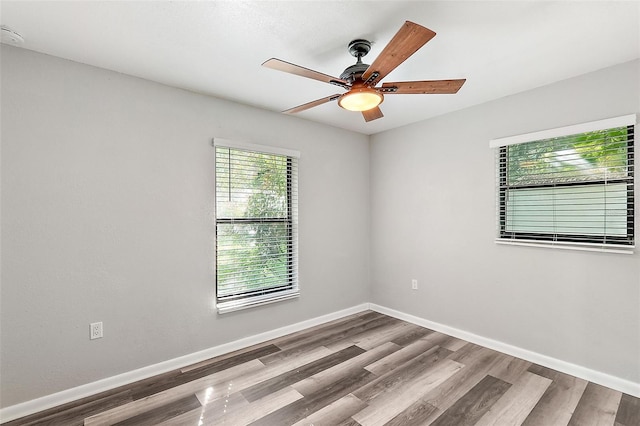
(95, 330)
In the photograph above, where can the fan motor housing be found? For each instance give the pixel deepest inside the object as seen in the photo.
(354, 72)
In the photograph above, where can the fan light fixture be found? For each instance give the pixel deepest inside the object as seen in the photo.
(361, 99)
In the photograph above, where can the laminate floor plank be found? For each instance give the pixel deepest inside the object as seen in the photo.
(559, 400)
(276, 383)
(448, 342)
(398, 378)
(325, 379)
(361, 370)
(233, 358)
(160, 414)
(255, 410)
(338, 332)
(370, 338)
(305, 407)
(403, 355)
(229, 400)
(216, 381)
(286, 354)
(451, 343)
(474, 404)
(471, 354)
(74, 413)
(190, 418)
(510, 369)
(477, 362)
(597, 407)
(385, 404)
(210, 410)
(253, 377)
(628, 411)
(349, 422)
(170, 380)
(416, 414)
(313, 340)
(355, 335)
(408, 338)
(334, 413)
(238, 414)
(516, 403)
(303, 336)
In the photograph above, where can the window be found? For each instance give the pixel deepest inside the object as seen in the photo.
(256, 225)
(570, 187)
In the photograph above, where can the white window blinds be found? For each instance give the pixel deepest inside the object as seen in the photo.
(256, 225)
(569, 187)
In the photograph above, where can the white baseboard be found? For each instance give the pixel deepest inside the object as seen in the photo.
(33, 406)
(594, 376)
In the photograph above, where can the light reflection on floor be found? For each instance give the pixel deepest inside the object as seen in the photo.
(208, 393)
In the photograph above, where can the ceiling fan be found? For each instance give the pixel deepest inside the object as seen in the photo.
(360, 79)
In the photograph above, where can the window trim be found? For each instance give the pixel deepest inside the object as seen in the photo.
(614, 244)
(273, 294)
(607, 123)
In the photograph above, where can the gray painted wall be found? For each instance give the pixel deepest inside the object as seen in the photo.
(433, 219)
(107, 215)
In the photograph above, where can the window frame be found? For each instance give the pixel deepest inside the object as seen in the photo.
(290, 289)
(557, 239)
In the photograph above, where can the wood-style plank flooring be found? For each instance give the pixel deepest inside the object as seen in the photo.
(366, 369)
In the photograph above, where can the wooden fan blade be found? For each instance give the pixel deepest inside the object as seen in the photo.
(311, 104)
(419, 87)
(405, 43)
(372, 114)
(280, 65)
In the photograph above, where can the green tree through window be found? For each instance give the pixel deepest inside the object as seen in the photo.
(576, 188)
(255, 227)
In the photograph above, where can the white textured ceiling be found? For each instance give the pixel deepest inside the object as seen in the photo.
(216, 47)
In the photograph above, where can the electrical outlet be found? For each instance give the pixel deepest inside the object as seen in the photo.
(95, 330)
(414, 284)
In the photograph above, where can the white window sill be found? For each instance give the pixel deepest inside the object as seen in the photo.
(569, 246)
(236, 305)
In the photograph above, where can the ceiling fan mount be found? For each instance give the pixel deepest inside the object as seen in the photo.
(359, 47)
(360, 79)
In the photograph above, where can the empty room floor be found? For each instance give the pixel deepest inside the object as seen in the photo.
(365, 369)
